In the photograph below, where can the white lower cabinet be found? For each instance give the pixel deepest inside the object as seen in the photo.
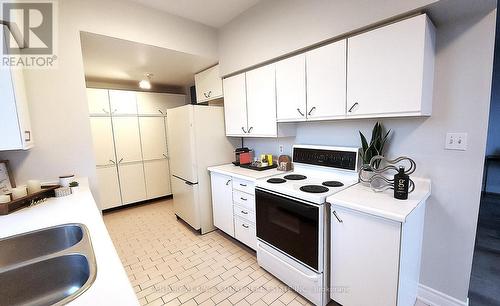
(233, 203)
(108, 186)
(132, 182)
(222, 202)
(157, 175)
(245, 232)
(374, 261)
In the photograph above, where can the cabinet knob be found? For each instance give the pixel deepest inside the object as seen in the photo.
(28, 136)
(161, 112)
(112, 161)
(311, 110)
(227, 183)
(250, 129)
(243, 129)
(105, 111)
(337, 217)
(352, 107)
(300, 112)
(165, 155)
(121, 159)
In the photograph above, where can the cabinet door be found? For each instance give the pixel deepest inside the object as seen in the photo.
(123, 102)
(108, 186)
(222, 202)
(291, 89)
(157, 174)
(15, 121)
(102, 139)
(386, 68)
(261, 102)
(127, 139)
(245, 232)
(98, 100)
(153, 138)
(326, 81)
(235, 105)
(208, 85)
(364, 258)
(156, 104)
(132, 183)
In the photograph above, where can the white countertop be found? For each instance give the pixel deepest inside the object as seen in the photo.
(111, 286)
(382, 204)
(243, 173)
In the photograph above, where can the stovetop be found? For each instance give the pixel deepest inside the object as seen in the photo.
(314, 186)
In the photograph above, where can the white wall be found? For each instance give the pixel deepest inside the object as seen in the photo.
(57, 98)
(275, 28)
(462, 90)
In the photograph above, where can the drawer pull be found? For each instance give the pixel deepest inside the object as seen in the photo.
(244, 225)
(243, 199)
(243, 185)
(244, 212)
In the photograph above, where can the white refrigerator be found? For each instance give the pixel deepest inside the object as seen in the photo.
(196, 140)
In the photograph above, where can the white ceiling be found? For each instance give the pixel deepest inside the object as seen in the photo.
(121, 60)
(214, 13)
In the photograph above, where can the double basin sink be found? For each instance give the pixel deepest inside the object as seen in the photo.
(50, 266)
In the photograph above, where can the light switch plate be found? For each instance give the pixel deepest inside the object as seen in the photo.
(456, 141)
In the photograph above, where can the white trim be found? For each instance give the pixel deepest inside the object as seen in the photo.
(432, 297)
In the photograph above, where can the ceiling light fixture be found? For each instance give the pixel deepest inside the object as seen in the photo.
(146, 84)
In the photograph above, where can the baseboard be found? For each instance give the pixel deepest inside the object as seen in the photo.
(433, 297)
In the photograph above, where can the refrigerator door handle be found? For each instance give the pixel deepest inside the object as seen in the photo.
(186, 182)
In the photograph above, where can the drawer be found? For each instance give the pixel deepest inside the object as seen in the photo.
(244, 213)
(244, 185)
(244, 200)
(244, 231)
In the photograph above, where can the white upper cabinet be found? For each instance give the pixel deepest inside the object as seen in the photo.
(291, 89)
(390, 70)
(235, 105)
(123, 102)
(127, 139)
(208, 85)
(153, 138)
(15, 121)
(156, 104)
(326, 81)
(261, 102)
(102, 138)
(98, 100)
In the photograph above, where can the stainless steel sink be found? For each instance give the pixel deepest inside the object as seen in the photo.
(51, 266)
(30, 245)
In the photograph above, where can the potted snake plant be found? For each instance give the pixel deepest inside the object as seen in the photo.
(370, 149)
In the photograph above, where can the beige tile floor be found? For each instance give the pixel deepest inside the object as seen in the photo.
(169, 264)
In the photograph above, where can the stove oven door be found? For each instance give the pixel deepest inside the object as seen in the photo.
(292, 226)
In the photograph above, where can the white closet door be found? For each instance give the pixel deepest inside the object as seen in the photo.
(157, 175)
(108, 186)
(235, 105)
(123, 102)
(261, 102)
(127, 139)
(98, 100)
(133, 186)
(326, 81)
(156, 104)
(153, 138)
(291, 89)
(102, 138)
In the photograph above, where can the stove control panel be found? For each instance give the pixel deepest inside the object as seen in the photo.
(326, 158)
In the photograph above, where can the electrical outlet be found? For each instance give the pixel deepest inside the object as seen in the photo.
(281, 149)
(456, 141)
